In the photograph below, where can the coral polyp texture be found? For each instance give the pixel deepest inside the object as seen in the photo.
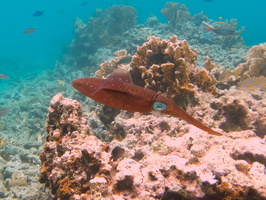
(168, 66)
(157, 158)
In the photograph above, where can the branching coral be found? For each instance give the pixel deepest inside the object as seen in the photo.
(175, 13)
(255, 64)
(169, 67)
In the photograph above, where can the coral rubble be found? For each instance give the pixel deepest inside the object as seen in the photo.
(153, 159)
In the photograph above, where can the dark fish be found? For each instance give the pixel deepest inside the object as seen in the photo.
(124, 60)
(117, 153)
(208, 0)
(3, 112)
(29, 30)
(38, 13)
(3, 76)
(222, 30)
(84, 3)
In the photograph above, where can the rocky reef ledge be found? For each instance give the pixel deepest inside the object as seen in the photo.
(156, 157)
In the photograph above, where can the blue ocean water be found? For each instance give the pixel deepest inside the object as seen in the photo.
(40, 50)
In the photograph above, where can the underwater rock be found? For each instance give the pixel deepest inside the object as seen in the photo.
(159, 157)
(71, 156)
(236, 115)
(235, 110)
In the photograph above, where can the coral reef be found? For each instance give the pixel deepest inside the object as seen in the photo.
(66, 130)
(175, 13)
(169, 67)
(255, 64)
(108, 66)
(28, 93)
(235, 110)
(153, 159)
(19, 174)
(102, 36)
(105, 29)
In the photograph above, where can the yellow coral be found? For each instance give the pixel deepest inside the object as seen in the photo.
(255, 64)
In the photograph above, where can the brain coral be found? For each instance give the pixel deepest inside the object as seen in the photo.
(169, 67)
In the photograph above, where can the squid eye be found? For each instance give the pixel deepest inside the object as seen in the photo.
(159, 106)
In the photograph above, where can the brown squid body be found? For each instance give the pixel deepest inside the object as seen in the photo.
(118, 91)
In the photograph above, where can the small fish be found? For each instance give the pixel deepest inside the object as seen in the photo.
(117, 152)
(224, 77)
(252, 83)
(220, 17)
(208, 0)
(3, 76)
(222, 30)
(38, 13)
(3, 112)
(61, 82)
(220, 22)
(29, 30)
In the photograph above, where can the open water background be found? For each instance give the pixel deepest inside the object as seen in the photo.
(40, 50)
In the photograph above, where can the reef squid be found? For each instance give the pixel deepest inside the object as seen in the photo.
(118, 91)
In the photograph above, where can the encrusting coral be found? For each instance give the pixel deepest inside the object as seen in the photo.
(153, 160)
(169, 67)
